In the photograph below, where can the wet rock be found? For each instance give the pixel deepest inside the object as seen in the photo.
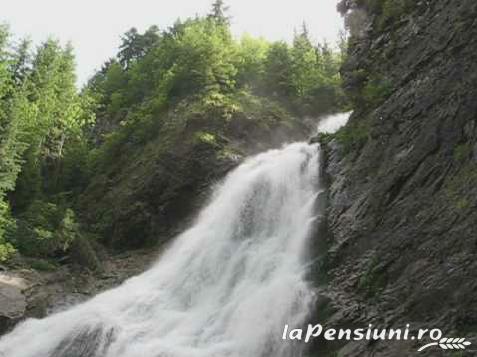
(12, 301)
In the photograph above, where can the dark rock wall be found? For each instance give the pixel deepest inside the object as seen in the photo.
(403, 205)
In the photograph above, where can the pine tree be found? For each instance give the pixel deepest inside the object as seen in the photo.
(21, 62)
(218, 13)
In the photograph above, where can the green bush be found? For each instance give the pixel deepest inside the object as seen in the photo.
(387, 11)
(84, 254)
(6, 224)
(353, 137)
(377, 90)
(45, 230)
(6, 250)
(42, 265)
(395, 9)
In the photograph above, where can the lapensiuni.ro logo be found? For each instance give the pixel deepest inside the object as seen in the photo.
(370, 333)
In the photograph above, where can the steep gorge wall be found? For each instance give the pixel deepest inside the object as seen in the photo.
(402, 214)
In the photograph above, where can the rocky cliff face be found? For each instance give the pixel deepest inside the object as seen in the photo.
(402, 216)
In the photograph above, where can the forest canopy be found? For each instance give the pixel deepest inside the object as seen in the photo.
(54, 138)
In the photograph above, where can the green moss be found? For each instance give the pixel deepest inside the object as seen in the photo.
(353, 136)
(374, 279)
(457, 188)
(325, 138)
(42, 265)
(462, 152)
(463, 204)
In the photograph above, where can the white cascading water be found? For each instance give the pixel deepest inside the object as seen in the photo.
(225, 288)
(332, 123)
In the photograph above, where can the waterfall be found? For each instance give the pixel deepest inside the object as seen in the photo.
(224, 288)
(332, 123)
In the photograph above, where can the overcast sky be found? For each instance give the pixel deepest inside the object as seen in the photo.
(95, 26)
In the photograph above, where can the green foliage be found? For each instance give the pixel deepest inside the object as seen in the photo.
(40, 114)
(368, 91)
(218, 13)
(304, 76)
(6, 224)
(42, 265)
(278, 74)
(353, 136)
(193, 79)
(207, 138)
(199, 57)
(393, 10)
(45, 229)
(6, 251)
(304, 61)
(252, 57)
(135, 45)
(377, 91)
(386, 11)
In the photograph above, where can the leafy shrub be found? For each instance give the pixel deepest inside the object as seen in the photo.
(387, 11)
(83, 253)
(45, 230)
(207, 138)
(6, 224)
(353, 137)
(42, 265)
(377, 90)
(395, 9)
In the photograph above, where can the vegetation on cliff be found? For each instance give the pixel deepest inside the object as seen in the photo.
(124, 159)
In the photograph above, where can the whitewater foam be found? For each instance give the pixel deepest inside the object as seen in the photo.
(224, 288)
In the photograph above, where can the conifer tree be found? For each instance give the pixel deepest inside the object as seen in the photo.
(219, 12)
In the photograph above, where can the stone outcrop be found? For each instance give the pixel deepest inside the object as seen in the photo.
(402, 215)
(12, 301)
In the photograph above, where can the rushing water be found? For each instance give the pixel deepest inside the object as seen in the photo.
(225, 288)
(333, 123)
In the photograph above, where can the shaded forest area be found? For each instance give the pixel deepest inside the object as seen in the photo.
(58, 144)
